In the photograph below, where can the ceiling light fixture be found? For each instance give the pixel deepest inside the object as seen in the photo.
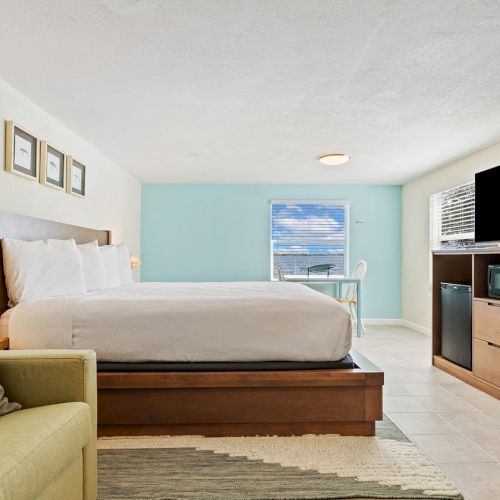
(333, 158)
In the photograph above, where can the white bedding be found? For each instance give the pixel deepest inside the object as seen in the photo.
(250, 321)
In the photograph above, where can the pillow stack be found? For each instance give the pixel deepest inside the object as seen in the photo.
(116, 261)
(93, 267)
(42, 268)
(57, 268)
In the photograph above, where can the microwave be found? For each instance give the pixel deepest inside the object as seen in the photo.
(494, 281)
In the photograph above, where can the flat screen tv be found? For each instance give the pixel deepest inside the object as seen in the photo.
(487, 219)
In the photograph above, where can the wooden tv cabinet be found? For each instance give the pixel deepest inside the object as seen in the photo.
(470, 266)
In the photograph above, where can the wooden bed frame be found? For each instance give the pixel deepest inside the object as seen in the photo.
(343, 401)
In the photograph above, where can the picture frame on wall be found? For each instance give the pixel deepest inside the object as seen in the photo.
(52, 167)
(21, 151)
(75, 177)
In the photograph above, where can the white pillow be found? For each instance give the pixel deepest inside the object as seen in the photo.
(110, 262)
(124, 267)
(93, 268)
(42, 268)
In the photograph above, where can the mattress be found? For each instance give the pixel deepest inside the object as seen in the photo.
(345, 363)
(189, 323)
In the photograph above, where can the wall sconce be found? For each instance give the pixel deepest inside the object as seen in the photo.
(134, 261)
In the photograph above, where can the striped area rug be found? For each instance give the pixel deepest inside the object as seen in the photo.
(300, 467)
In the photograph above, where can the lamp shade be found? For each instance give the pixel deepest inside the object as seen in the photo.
(135, 262)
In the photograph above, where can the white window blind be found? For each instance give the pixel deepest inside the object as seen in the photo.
(452, 217)
(307, 234)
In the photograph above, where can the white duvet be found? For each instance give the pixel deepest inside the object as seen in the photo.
(189, 322)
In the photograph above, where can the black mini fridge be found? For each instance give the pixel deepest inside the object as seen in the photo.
(456, 323)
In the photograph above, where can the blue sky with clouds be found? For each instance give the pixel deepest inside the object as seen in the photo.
(308, 228)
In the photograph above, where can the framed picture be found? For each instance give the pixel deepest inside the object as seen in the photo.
(21, 151)
(75, 177)
(52, 166)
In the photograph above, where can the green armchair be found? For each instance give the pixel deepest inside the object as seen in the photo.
(48, 449)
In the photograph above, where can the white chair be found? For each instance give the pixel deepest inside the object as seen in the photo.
(351, 296)
(278, 271)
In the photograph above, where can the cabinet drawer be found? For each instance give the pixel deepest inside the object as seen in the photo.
(487, 321)
(486, 361)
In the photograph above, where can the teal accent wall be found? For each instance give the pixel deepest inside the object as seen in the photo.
(221, 232)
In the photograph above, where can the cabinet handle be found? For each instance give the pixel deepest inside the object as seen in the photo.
(493, 304)
(494, 345)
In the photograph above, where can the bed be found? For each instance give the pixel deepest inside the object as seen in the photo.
(189, 322)
(197, 358)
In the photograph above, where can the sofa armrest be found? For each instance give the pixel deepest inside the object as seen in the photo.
(43, 377)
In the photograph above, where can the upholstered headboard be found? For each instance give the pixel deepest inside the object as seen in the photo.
(30, 228)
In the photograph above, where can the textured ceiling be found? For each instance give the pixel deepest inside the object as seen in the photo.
(251, 91)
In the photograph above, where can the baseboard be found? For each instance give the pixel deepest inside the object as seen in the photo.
(416, 327)
(382, 321)
(398, 322)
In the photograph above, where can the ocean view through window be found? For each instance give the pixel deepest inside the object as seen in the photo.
(309, 237)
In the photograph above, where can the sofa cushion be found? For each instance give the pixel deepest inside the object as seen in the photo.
(38, 443)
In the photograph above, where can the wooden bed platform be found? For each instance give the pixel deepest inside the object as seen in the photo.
(343, 401)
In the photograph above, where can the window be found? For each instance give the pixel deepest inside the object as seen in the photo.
(452, 217)
(309, 233)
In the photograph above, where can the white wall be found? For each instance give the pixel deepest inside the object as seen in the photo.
(415, 286)
(113, 197)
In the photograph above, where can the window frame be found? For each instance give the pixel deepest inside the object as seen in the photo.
(346, 204)
(435, 222)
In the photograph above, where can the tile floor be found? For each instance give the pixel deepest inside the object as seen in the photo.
(457, 426)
